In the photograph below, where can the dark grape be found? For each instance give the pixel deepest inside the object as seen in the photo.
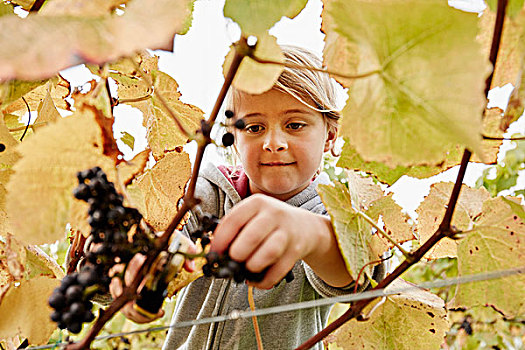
(57, 300)
(74, 293)
(239, 124)
(229, 114)
(75, 327)
(228, 139)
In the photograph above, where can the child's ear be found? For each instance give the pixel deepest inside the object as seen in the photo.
(331, 136)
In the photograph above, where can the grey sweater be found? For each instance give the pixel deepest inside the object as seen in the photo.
(208, 297)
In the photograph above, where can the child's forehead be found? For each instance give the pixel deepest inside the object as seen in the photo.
(271, 101)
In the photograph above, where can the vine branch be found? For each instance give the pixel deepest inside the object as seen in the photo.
(444, 229)
(129, 292)
(521, 138)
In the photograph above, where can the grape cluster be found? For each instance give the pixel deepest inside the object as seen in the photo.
(222, 266)
(71, 300)
(110, 223)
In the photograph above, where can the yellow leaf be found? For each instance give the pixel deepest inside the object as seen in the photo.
(431, 212)
(25, 311)
(256, 78)
(58, 87)
(184, 277)
(128, 170)
(161, 188)
(47, 112)
(40, 192)
(8, 157)
(409, 320)
(91, 8)
(78, 39)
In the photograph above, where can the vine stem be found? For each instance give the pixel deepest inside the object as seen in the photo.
(322, 70)
(444, 229)
(384, 234)
(129, 292)
(521, 138)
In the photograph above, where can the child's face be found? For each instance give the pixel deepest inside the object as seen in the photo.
(282, 145)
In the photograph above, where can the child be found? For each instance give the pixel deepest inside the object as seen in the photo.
(271, 217)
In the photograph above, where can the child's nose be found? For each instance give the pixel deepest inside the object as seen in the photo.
(275, 142)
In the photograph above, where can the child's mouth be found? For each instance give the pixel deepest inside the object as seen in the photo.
(277, 163)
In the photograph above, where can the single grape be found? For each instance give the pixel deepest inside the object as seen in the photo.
(74, 293)
(229, 114)
(57, 300)
(240, 124)
(228, 139)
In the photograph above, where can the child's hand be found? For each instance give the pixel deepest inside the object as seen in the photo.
(265, 232)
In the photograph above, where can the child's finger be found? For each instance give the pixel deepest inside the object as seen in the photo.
(233, 222)
(276, 273)
(269, 252)
(251, 236)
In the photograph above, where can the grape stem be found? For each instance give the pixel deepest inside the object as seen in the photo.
(379, 229)
(315, 69)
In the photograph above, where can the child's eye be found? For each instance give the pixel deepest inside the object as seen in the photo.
(253, 129)
(296, 126)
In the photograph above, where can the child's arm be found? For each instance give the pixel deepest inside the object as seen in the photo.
(266, 232)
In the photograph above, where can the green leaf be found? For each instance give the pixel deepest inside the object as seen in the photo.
(350, 159)
(255, 17)
(410, 320)
(128, 139)
(13, 90)
(497, 242)
(353, 233)
(428, 93)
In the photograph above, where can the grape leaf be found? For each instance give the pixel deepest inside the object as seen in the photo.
(394, 221)
(47, 112)
(157, 192)
(423, 100)
(6, 279)
(163, 135)
(40, 191)
(8, 157)
(511, 51)
(5, 9)
(432, 209)
(495, 243)
(25, 311)
(39, 263)
(409, 320)
(25, 4)
(256, 17)
(256, 78)
(128, 170)
(34, 93)
(12, 90)
(363, 191)
(353, 233)
(82, 8)
(77, 39)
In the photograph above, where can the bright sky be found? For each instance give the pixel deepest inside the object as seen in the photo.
(196, 65)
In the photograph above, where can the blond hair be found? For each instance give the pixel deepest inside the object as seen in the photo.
(304, 85)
